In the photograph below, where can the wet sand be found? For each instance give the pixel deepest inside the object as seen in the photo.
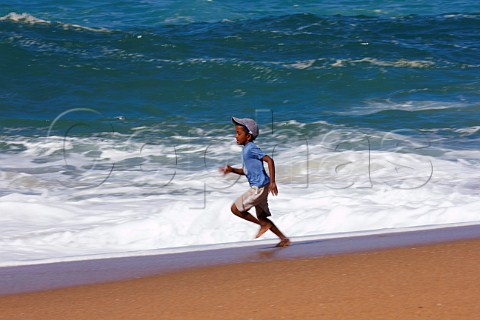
(47, 276)
(426, 281)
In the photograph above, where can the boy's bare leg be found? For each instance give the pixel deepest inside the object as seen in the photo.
(277, 231)
(265, 225)
(264, 221)
(244, 215)
(284, 241)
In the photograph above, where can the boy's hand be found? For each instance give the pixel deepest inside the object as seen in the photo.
(226, 169)
(272, 188)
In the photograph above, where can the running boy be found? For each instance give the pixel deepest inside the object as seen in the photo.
(260, 183)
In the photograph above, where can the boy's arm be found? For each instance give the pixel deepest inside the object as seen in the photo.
(228, 169)
(271, 172)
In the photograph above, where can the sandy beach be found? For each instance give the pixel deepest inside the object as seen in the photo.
(435, 281)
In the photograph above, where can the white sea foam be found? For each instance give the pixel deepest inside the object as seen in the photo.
(401, 63)
(303, 64)
(468, 130)
(121, 196)
(23, 18)
(374, 107)
(27, 18)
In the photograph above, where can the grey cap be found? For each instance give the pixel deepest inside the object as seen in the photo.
(250, 124)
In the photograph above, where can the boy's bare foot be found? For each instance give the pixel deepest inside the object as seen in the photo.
(264, 228)
(283, 243)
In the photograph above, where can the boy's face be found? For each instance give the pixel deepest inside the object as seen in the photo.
(241, 135)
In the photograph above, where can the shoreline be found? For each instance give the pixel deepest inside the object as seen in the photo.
(41, 277)
(430, 281)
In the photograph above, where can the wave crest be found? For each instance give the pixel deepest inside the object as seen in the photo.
(27, 18)
(23, 18)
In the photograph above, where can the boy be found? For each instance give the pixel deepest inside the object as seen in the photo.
(260, 183)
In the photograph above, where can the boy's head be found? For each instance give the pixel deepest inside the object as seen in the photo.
(246, 130)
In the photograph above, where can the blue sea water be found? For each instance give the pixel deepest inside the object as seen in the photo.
(203, 61)
(131, 96)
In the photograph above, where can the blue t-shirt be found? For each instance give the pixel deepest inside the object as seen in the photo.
(253, 165)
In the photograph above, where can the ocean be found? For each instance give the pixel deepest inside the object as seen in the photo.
(116, 115)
